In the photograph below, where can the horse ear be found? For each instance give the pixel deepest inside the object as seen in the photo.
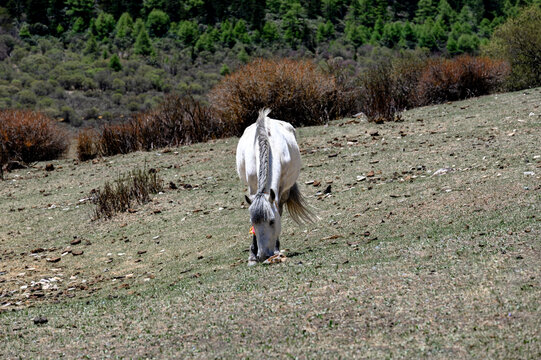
(272, 196)
(247, 199)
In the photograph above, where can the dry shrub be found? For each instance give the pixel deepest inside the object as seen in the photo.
(118, 139)
(391, 86)
(133, 187)
(297, 91)
(30, 136)
(177, 121)
(87, 146)
(378, 93)
(460, 78)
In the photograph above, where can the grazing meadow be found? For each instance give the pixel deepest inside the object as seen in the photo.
(428, 246)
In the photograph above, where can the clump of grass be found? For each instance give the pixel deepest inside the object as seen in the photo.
(133, 187)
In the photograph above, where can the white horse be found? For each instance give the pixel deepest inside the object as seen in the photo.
(269, 162)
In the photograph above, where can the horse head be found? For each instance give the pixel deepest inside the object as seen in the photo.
(266, 221)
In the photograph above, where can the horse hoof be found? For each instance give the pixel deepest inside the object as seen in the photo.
(252, 262)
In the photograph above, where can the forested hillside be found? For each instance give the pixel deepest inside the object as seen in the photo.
(87, 60)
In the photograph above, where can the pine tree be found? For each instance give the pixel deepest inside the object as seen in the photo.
(426, 9)
(240, 32)
(80, 9)
(446, 14)
(91, 47)
(188, 32)
(124, 26)
(157, 23)
(104, 25)
(409, 37)
(269, 33)
(226, 34)
(115, 64)
(143, 46)
(294, 24)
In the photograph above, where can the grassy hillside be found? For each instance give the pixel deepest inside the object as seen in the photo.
(403, 263)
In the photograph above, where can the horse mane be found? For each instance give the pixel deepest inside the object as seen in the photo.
(260, 210)
(264, 149)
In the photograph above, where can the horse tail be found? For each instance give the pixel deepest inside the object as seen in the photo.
(264, 148)
(298, 208)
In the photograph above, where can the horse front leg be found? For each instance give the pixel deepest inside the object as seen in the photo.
(252, 259)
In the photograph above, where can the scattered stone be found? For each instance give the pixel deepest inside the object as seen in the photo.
(332, 237)
(442, 171)
(37, 250)
(327, 190)
(40, 320)
(77, 252)
(370, 174)
(49, 167)
(75, 242)
(173, 186)
(54, 259)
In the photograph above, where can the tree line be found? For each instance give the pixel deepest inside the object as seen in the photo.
(449, 26)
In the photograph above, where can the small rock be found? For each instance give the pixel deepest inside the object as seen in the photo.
(54, 259)
(77, 252)
(75, 242)
(40, 320)
(49, 167)
(370, 174)
(442, 171)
